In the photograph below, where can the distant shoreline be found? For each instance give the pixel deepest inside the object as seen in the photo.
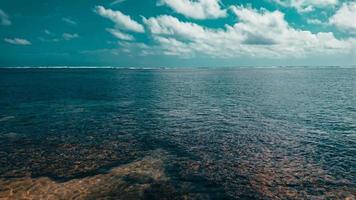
(175, 68)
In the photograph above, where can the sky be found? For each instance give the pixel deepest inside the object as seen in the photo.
(177, 33)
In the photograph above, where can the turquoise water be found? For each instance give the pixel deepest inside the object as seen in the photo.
(228, 133)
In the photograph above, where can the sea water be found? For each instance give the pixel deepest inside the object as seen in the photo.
(231, 133)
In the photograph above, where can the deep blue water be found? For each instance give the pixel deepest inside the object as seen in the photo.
(254, 133)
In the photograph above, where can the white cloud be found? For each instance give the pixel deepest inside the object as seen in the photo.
(116, 2)
(47, 32)
(199, 9)
(316, 22)
(345, 17)
(258, 33)
(260, 27)
(50, 36)
(168, 25)
(17, 41)
(69, 21)
(4, 18)
(307, 5)
(121, 20)
(69, 36)
(120, 35)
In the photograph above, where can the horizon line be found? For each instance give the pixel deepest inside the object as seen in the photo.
(181, 67)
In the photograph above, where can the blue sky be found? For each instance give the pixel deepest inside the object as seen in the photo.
(177, 33)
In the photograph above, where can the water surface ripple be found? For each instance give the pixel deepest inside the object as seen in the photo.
(180, 133)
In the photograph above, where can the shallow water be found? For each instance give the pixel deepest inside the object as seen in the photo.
(215, 133)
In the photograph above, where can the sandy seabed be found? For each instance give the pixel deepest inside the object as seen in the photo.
(136, 180)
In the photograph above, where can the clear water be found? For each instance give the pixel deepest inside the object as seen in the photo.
(225, 133)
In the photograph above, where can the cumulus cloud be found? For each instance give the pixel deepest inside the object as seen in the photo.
(199, 9)
(121, 20)
(17, 41)
(120, 35)
(260, 27)
(307, 5)
(345, 17)
(258, 33)
(169, 25)
(4, 18)
(69, 36)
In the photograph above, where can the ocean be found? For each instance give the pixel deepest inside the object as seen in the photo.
(219, 133)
